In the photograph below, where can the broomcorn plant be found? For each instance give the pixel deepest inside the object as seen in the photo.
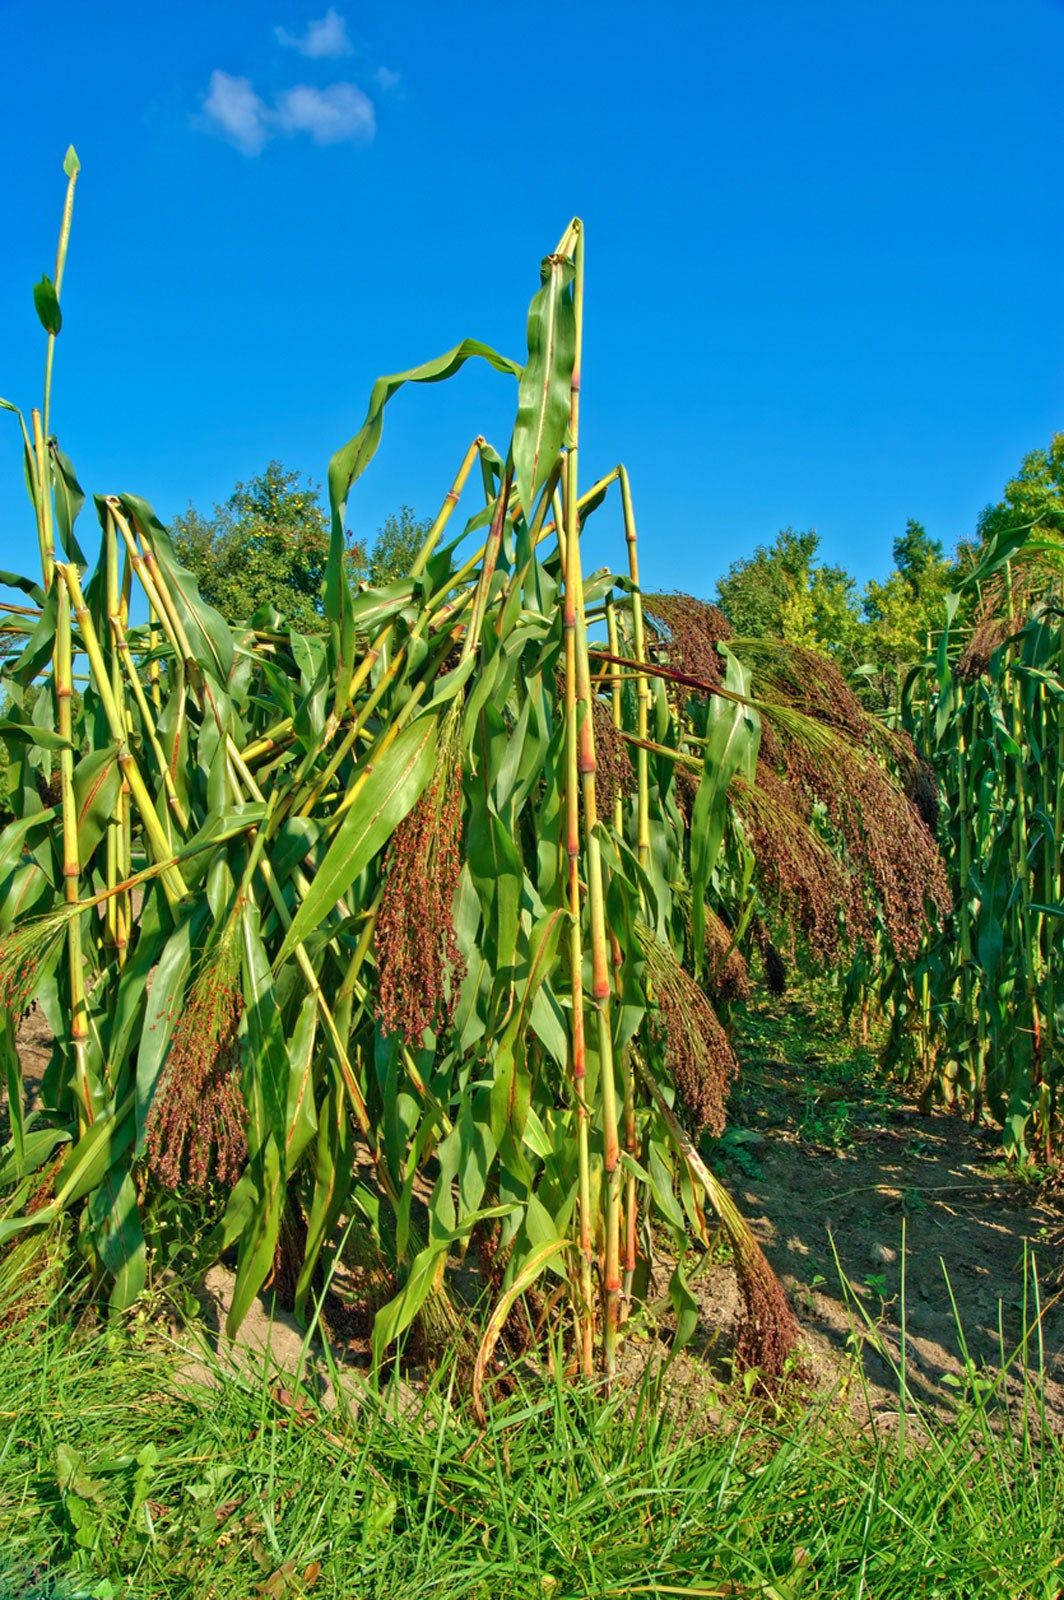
(430, 903)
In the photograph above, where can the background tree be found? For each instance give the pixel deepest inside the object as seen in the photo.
(397, 542)
(268, 544)
(1034, 496)
(914, 553)
(783, 591)
(904, 612)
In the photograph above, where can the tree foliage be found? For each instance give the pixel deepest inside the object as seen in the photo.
(1034, 497)
(784, 591)
(399, 538)
(267, 546)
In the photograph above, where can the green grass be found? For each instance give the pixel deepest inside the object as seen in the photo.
(117, 1479)
(803, 1069)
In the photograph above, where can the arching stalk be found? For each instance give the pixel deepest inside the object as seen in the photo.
(601, 987)
(79, 1020)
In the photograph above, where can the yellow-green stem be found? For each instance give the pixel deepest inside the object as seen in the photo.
(79, 1020)
(173, 882)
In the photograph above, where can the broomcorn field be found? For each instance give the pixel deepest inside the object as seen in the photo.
(395, 969)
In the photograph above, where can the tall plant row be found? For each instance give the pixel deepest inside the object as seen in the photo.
(419, 931)
(978, 1018)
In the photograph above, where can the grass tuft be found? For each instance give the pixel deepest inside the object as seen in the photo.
(120, 1477)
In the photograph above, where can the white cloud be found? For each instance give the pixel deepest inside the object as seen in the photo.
(385, 78)
(329, 116)
(338, 114)
(325, 40)
(232, 109)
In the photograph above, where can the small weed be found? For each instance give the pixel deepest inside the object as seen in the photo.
(829, 1123)
(737, 1146)
(1022, 1169)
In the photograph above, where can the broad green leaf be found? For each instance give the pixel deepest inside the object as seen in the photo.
(686, 1308)
(69, 497)
(544, 391)
(38, 1145)
(24, 733)
(393, 1319)
(266, 1053)
(301, 1118)
(259, 1238)
(526, 1277)
(94, 1154)
(349, 462)
(29, 586)
(333, 1168)
(120, 1237)
(97, 780)
(16, 1114)
(163, 1009)
(40, 645)
(392, 789)
(352, 459)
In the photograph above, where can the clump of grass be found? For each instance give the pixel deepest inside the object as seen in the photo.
(132, 1477)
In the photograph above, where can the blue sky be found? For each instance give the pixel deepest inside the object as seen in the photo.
(824, 249)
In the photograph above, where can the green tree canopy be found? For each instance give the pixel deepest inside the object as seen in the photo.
(398, 541)
(1034, 496)
(783, 590)
(915, 552)
(904, 612)
(268, 545)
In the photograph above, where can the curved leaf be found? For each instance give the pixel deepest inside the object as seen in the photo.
(47, 303)
(25, 733)
(392, 790)
(352, 459)
(527, 1276)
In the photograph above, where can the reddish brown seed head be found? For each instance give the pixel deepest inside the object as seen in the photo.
(697, 1050)
(687, 632)
(197, 1122)
(23, 953)
(418, 958)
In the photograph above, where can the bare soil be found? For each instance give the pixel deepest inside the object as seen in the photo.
(845, 1183)
(34, 1049)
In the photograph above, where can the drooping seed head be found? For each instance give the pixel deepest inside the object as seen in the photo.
(23, 953)
(197, 1125)
(418, 958)
(727, 975)
(687, 631)
(697, 1050)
